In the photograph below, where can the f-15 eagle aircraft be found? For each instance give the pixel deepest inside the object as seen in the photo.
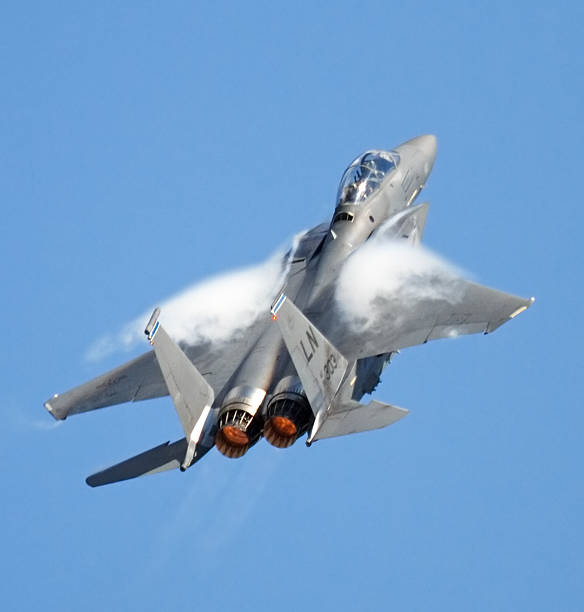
(300, 368)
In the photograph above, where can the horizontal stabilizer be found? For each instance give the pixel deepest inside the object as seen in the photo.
(158, 459)
(354, 417)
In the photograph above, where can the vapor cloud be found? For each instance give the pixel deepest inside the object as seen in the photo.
(379, 284)
(211, 310)
(389, 278)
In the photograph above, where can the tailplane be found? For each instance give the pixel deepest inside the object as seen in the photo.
(327, 378)
(354, 417)
(158, 459)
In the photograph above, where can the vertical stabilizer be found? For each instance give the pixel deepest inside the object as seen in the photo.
(190, 392)
(320, 366)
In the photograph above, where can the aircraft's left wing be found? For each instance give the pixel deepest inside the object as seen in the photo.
(141, 378)
(392, 324)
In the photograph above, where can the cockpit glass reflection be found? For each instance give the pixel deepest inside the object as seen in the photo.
(365, 175)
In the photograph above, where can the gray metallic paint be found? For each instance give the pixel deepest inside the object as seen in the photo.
(257, 357)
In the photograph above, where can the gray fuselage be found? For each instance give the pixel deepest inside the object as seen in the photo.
(375, 187)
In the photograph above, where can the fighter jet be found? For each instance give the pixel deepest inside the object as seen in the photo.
(300, 368)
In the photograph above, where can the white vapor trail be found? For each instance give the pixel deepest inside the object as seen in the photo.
(392, 277)
(212, 310)
(384, 275)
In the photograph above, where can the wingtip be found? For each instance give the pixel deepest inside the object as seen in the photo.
(522, 308)
(491, 327)
(51, 410)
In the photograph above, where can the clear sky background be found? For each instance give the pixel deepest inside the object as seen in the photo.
(147, 146)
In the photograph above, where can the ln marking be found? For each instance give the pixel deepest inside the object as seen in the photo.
(311, 337)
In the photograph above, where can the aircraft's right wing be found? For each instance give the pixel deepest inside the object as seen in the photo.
(392, 324)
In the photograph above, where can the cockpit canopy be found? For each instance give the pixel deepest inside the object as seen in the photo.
(365, 175)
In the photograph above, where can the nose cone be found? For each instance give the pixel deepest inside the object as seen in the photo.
(420, 149)
(426, 145)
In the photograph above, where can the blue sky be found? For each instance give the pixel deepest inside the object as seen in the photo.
(146, 147)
